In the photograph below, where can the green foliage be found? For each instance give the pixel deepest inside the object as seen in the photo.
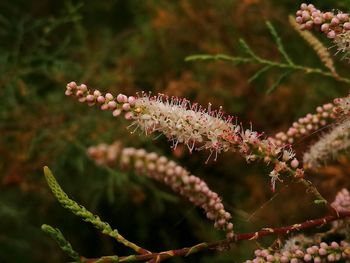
(57, 235)
(252, 57)
(82, 212)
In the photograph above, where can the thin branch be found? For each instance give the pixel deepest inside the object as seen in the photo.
(186, 251)
(255, 58)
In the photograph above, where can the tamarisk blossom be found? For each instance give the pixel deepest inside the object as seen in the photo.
(304, 126)
(321, 51)
(329, 145)
(342, 201)
(300, 252)
(335, 25)
(341, 204)
(170, 173)
(197, 127)
(301, 248)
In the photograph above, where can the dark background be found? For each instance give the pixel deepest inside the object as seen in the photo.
(130, 46)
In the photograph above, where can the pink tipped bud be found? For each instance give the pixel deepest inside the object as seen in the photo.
(126, 107)
(318, 20)
(97, 93)
(129, 115)
(335, 21)
(117, 112)
(83, 87)
(331, 34)
(121, 98)
(90, 98)
(68, 93)
(346, 26)
(299, 19)
(325, 28)
(328, 15)
(334, 245)
(343, 17)
(306, 16)
(104, 107)
(109, 96)
(112, 105)
(309, 25)
(101, 99)
(132, 100)
(303, 6)
(294, 163)
(307, 257)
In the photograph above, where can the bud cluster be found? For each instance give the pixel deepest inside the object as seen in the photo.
(335, 25)
(170, 173)
(117, 105)
(306, 125)
(342, 201)
(322, 252)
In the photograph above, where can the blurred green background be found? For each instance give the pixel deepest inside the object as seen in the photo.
(130, 46)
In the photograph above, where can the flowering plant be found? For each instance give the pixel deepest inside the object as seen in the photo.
(202, 128)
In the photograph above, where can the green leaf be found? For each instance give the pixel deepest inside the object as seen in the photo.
(278, 42)
(224, 57)
(57, 235)
(258, 73)
(278, 82)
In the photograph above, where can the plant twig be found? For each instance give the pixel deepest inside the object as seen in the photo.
(186, 251)
(86, 215)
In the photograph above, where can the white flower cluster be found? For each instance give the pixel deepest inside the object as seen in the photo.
(182, 122)
(197, 127)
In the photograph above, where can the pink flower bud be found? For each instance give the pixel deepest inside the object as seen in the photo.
(90, 98)
(306, 16)
(346, 26)
(334, 21)
(126, 107)
(299, 19)
(97, 93)
(294, 163)
(112, 105)
(331, 34)
(109, 96)
(325, 27)
(303, 6)
(83, 87)
(328, 15)
(68, 93)
(307, 257)
(116, 112)
(318, 20)
(132, 100)
(101, 99)
(104, 107)
(72, 85)
(129, 115)
(343, 17)
(121, 98)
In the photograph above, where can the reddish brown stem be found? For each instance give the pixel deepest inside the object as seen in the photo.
(157, 257)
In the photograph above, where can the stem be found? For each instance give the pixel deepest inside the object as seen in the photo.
(307, 70)
(186, 251)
